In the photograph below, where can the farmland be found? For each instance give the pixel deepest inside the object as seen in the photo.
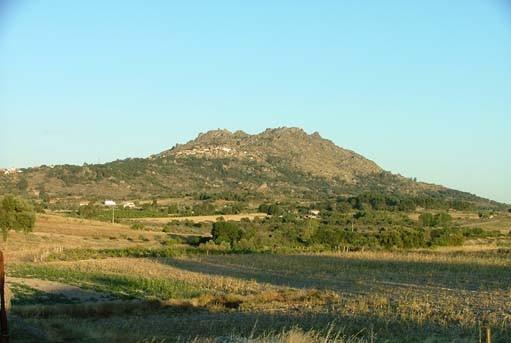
(155, 292)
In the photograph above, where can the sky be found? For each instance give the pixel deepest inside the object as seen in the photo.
(423, 88)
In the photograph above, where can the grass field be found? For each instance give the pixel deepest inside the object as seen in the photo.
(442, 295)
(53, 233)
(202, 219)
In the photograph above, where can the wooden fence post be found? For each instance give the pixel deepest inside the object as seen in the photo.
(4, 338)
(486, 334)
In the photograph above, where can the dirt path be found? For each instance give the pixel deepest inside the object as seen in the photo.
(62, 289)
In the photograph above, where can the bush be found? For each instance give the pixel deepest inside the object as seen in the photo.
(447, 237)
(227, 232)
(16, 214)
(430, 220)
(137, 226)
(88, 211)
(143, 238)
(196, 240)
(212, 246)
(401, 238)
(476, 232)
(273, 210)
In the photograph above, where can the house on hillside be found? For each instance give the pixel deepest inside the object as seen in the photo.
(9, 171)
(313, 214)
(129, 204)
(109, 203)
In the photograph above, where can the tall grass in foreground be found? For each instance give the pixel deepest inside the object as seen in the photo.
(294, 335)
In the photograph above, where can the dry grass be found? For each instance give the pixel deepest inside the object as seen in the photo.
(435, 287)
(443, 293)
(52, 233)
(202, 219)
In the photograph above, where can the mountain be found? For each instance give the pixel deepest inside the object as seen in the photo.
(293, 147)
(277, 163)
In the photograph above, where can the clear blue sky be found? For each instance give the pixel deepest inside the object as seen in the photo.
(421, 87)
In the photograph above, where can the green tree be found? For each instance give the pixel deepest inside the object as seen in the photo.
(226, 232)
(308, 230)
(442, 219)
(273, 209)
(173, 208)
(22, 184)
(16, 214)
(426, 220)
(88, 211)
(45, 197)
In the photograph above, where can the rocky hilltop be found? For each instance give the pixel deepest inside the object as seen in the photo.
(311, 154)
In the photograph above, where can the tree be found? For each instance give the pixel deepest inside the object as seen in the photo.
(88, 211)
(430, 220)
(442, 219)
(226, 232)
(22, 184)
(45, 198)
(16, 214)
(308, 230)
(273, 209)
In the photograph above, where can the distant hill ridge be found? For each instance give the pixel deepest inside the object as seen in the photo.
(280, 163)
(309, 153)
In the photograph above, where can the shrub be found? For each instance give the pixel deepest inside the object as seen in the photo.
(167, 227)
(446, 237)
(476, 232)
(273, 209)
(430, 220)
(88, 211)
(442, 219)
(196, 240)
(143, 238)
(212, 246)
(16, 214)
(137, 226)
(401, 238)
(227, 232)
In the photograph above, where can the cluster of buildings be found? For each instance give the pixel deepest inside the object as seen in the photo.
(213, 151)
(10, 171)
(112, 203)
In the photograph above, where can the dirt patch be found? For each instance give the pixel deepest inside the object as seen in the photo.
(61, 289)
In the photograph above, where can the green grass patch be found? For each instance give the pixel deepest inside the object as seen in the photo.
(121, 286)
(140, 252)
(23, 295)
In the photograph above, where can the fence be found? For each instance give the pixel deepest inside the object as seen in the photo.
(4, 331)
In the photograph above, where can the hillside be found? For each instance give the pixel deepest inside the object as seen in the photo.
(277, 162)
(309, 154)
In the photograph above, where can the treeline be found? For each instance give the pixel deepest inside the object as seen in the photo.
(374, 202)
(391, 202)
(287, 232)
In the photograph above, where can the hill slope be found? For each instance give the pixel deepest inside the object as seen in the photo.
(291, 146)
(282, 162)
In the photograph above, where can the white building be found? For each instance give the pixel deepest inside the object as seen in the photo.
(128, 204)
(109, 203)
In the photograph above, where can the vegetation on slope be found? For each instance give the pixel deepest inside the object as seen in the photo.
(275, 163)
